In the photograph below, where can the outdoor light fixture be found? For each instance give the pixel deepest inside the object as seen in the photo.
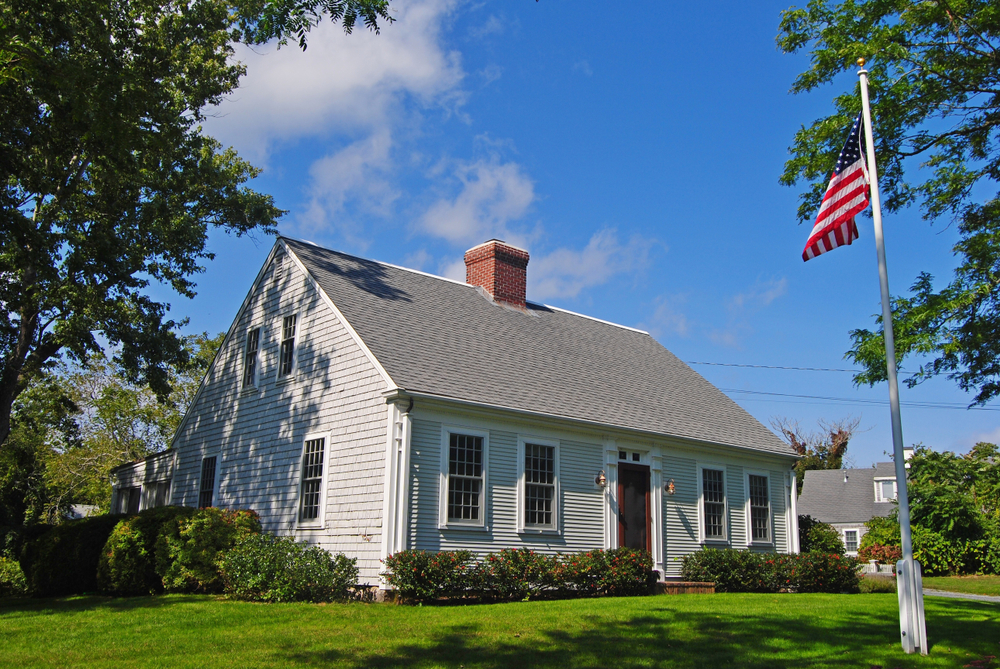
(601, 479)
(670, 487)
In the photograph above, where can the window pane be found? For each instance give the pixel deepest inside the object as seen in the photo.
(465, 473)
(207, 490)
(888, 491)
(250, 359)
(539, 484)
(760, 509)
(466, 456)
(714, 495)
(312, 478)
(463, 498)
(851, 541)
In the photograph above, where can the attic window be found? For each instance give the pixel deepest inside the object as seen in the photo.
(885, 490)
(287, 359)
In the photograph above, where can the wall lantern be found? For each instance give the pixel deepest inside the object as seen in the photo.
(601, 479)
(670, 487)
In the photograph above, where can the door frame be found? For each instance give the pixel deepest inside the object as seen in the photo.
(647, 470)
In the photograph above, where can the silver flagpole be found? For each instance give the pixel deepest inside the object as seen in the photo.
(912, 630)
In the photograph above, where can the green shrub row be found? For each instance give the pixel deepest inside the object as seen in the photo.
(745, 571)
(518, 574)
(937, 555)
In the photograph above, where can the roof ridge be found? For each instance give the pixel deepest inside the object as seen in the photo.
(462, 283)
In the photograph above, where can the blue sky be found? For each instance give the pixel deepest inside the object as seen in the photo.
(635, 154)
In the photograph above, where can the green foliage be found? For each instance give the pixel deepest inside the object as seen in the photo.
(515, 574)
(128, 565)
(955, 496)
(874, 584)
(12, 582)
(421, 576)
(820, 449)
(745, 571)
(285, 18)
(817, 536)
(264, 568)
(934, 85)
(584, 572)
(189, 549)
(882, 531)
(62, 560)
(630, 572)
(880, 553)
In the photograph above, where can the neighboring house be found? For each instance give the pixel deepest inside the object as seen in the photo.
(367, 408)
(848, 498)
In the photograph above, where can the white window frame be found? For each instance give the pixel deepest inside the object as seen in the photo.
(725, 505)
(215, 483)
(522, 526)
(484, 497)
(747, 473)
(857, 540)
(320, 520)
(255, 383)
(878, 489)
(296, 344)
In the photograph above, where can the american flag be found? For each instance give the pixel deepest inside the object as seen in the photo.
(846, 196)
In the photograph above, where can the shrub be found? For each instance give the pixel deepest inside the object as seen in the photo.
(731, 570)
(871, 584)
(823, 572)
(12, 583)
(819, 537)
(514, 574)
(62, 560)
(127, 565)
(583, 573)
(420, 576)
(880, 553)
(629, 572)
(882, 531)
(937, 555)
(264, 568)
(188, 549)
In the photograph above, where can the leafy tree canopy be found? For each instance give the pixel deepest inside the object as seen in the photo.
(109, 183)
(935, 89)
(956, 496)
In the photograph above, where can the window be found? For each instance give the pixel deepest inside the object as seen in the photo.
(206, 492)
(286, 362)
(539, 486)
(713, 497)
(160, 493)
(250, 358)
(851, 541)
(465, 478)
(128, 500)
(760, 508)
(885, 490)
(312, 479)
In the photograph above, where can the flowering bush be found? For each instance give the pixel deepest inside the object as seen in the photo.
(880, 553)
(583, 573)
(420, 576)
(745, 571)
(629, 572)
(515, 574)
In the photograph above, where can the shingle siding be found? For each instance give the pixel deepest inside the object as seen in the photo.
(259, 433)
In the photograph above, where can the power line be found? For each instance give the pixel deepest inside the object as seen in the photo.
(800, 369)
(862, 400)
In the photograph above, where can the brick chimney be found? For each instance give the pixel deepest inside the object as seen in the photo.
(501, 269)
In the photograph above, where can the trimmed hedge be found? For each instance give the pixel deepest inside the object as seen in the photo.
(127, 565)
(189, 548)
(518, 574)
(264, 568)
(63, 559)
(745, 571)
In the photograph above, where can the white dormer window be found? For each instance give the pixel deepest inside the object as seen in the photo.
(885, 490)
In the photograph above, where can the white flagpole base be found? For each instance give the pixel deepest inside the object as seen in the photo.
(912, 626)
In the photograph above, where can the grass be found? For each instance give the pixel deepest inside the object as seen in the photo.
(664, 631)
(976, 585)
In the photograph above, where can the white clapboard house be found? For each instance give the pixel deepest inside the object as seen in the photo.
(369, 408)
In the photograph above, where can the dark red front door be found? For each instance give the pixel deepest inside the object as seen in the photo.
(633, 506)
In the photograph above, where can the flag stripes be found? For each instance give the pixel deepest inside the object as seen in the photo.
(846, 196)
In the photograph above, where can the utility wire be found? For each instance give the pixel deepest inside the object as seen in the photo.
(801, 369)
(861, 400)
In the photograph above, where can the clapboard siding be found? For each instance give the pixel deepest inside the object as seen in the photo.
(580, 501)
(736, 501)
(779, 506)
(259, 434)
(680, 513)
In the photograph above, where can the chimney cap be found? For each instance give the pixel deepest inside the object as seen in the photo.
(499, 242)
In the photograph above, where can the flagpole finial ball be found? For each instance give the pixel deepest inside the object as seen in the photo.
(861, 62)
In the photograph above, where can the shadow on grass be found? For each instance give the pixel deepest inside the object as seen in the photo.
(82, 603)
(662, 636)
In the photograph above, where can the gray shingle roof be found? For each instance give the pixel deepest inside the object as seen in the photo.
(826, 497)
(444, 338)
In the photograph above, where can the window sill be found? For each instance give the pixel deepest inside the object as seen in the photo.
(464, 527)
(284, 380)
(249, 391)
(760, 544)
(310, 526)
(715, 542)
(539, 530)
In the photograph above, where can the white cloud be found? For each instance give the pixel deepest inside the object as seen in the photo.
(761, 294)
(493, 26)
(491, 73)
(992, 437)
(419, 259)
(584, 68)
(565, 272)
(667, 318)
(342, 82)
(453, 270)
(493, 194)
(356, 172)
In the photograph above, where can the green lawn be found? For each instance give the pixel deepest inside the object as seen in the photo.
(663, 631)
(977, 585)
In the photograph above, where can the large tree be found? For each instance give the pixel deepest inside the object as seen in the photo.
(935, 86)
(109, 183)
(824, 448)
